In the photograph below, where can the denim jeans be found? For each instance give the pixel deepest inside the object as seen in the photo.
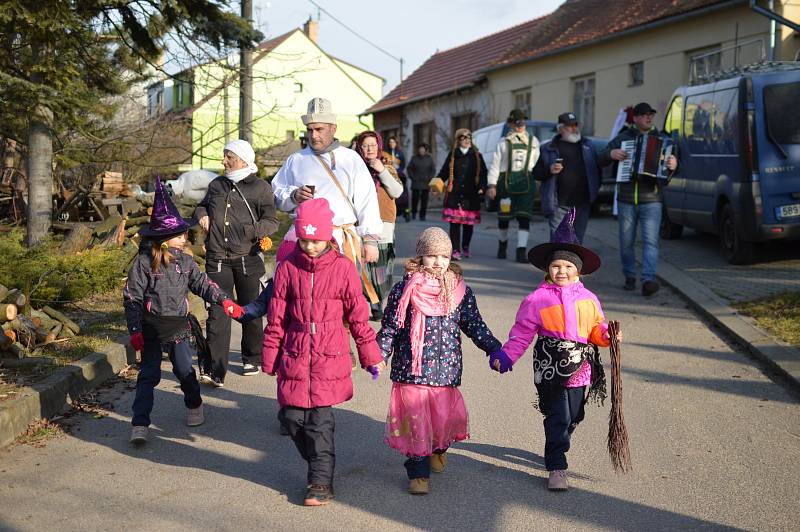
(563, 410)
(649, 216)
(180, 354)
(581, 219)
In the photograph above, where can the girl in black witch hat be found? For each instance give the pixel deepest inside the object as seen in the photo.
(156, 304)
(569, 323)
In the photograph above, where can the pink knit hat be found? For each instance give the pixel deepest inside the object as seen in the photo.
(314, 220)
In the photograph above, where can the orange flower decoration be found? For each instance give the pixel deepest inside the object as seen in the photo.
(265, 243)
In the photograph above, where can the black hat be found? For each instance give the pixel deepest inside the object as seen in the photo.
(516, 115)
(564, 239)
(643, 108)
(567, 119)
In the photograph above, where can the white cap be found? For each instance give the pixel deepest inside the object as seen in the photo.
(243, 149)
(319, 110)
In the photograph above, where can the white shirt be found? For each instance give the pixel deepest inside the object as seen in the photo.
(500, 160)
(303, 168)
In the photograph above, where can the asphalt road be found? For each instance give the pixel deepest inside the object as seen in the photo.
(715, 442)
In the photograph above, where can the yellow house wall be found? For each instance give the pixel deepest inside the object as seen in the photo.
(283, 83)
(663, 51)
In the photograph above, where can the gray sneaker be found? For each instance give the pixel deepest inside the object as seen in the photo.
(557, 480)
(139, 434)
(194, 416)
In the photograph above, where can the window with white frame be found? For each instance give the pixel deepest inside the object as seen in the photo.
(583, 102)
(522, 100)
(704, 62)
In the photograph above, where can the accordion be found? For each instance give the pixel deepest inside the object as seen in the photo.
(647, 156)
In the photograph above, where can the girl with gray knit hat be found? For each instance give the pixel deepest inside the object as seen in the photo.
(421, 333)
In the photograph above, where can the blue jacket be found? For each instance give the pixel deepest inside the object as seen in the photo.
(441, 355)
(549, 154)
(257, 307)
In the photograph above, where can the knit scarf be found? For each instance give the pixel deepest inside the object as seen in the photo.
(429, 295)
(238, 175)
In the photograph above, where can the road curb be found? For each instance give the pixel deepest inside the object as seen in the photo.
(54, 394)
(781, 357)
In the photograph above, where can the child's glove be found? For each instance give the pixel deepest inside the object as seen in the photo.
(232, 309)
(137, 341)
(500, 362)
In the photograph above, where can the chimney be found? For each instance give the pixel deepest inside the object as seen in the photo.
(311, 29)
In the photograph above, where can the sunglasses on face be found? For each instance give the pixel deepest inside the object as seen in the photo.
(462, 137)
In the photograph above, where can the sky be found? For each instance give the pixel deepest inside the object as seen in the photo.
(411, 29)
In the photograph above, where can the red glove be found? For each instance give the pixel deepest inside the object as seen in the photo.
(137, 341)
(232, 309)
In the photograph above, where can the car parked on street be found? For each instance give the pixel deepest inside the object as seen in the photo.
(738, 140)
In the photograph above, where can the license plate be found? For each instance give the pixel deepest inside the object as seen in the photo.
(788, 211)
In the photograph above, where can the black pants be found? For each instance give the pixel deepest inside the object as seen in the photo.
(243, 274)
(563, 410)
(524, 223)
(181, 355)
(420, 466)
(419, 197)
(455, 236)
(312, 431)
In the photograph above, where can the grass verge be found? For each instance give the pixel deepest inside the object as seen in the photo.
(780, 315)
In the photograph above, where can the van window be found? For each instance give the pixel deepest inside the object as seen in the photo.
(726, 122)
(697, 127)
(783, 113)
(672, 124)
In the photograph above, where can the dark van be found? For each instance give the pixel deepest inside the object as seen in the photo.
(739, 146)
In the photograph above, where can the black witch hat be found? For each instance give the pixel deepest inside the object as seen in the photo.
(564, 239)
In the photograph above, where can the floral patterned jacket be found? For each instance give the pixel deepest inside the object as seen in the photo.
(441, 356)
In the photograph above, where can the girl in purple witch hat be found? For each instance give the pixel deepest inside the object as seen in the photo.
(569, 325)
(156, 304)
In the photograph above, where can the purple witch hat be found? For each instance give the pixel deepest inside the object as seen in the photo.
(165, 220)
(564, 239)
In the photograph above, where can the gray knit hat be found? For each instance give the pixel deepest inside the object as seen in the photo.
(434, 241)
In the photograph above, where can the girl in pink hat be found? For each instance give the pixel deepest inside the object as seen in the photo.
(316, 291)
(421, 332)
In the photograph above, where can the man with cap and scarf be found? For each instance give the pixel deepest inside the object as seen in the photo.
(237, 212)
(638, 203)
(325, 169)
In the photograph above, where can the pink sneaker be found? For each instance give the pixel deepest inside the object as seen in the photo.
(456, 255)
(465, 253)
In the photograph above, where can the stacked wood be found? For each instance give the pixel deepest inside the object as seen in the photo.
(77, 239)
(8, 312)
(21, 334)
(15, 297)
(112, 183)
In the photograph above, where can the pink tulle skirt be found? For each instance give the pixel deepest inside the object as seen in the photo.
(461, 216)
(423, 419)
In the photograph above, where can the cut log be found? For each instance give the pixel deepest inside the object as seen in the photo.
(53, 313)
(44, 336)
(16, 350)
(77, 239)
(36, 321)
(15, 297)
(138, 220)
(66, 332)
(26, 331)
(5, 342)
(8, 311)
(56, 329)
(8, 333)
(3, 292)
(116, 238)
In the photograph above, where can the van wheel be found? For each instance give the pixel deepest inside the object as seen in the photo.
(734, 248)
(669, 230)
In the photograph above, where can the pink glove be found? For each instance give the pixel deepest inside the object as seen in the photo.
(232, 309)
(137, 341)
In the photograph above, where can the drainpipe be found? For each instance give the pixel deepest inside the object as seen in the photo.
(772, 32)
(774, 17)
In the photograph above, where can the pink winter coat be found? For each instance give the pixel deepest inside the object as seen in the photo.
(305, 342)
(571, 312)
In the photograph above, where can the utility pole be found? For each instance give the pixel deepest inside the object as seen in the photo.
(246, 82)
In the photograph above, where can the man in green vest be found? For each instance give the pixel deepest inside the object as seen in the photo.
(511, 181)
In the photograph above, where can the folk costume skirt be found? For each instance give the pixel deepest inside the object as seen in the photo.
(423, 419)
(380, 273)
(461, 216)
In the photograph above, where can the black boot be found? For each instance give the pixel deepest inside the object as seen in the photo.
(522, 255)
(501, 249)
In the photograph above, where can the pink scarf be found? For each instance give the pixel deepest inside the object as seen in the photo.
(424, 292)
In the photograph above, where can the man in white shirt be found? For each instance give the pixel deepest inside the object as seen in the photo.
(324, 169)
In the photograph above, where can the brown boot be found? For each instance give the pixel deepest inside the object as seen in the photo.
(418, 486)
(438, 462)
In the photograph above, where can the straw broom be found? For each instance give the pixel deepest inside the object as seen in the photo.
(617, 432)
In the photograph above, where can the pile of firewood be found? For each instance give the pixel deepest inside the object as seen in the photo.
(22, 333)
